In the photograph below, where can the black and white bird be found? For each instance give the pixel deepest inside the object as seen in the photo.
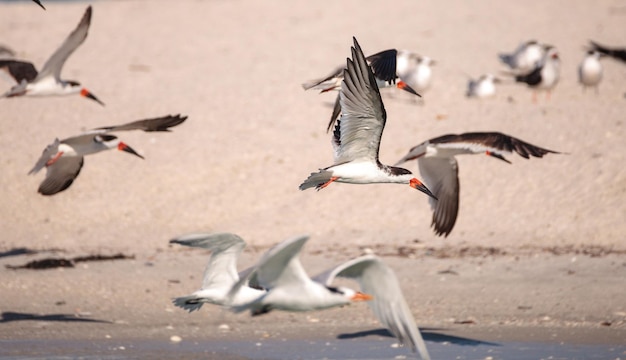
(545, 75)
(48, 82)
(439, 168)
(63, 159)
(356, 139)
(590, 70)
(220, 274)
(390, 67)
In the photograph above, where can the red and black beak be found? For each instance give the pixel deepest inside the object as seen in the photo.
(84, 92)
(123, 147)
(416, 184)
(404, 86)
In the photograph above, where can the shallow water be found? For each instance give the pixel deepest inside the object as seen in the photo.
(298, 349)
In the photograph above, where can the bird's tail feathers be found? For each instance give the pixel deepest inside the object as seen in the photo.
(316, 179)
(190, 303)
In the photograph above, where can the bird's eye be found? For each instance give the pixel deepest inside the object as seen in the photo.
(334, 290)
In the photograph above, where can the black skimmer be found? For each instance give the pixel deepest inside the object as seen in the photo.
(546, 73)
(590, 70)
(386, 65)
(64, 159)
(616, 53)
(220, 274)
(39, 3)
(48, 81)
(388, 304)
(288, 286)
(524, 58)
(483, 87)
(438, 166)
(356, 138)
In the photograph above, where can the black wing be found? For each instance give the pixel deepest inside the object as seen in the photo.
(156, 124)
(384, 65)
(19, 70)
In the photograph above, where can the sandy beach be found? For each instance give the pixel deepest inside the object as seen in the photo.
(538, 252)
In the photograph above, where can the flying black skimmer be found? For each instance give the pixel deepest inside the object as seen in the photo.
(288, 286)
(39, 3)
(356, 139)
(590, 70)
(220, 274)
(546, 73)
(483, 87)
(616, 53)
(437, 164)
(387, 66)
(64, 159)
(48, 81)
(524, 58)
(388, 304)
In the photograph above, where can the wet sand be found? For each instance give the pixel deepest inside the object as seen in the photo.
(537, 253)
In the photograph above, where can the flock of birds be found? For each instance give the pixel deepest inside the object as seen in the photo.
(278, 281)
(63, 159)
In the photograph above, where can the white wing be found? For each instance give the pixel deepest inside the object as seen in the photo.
(55, 63)
(279, 266)
(221, 270)
(362, 112)
(389, 306)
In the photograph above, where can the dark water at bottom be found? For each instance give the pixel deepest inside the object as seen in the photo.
(371, 348)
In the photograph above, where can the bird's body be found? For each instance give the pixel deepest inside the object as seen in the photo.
(525, 58)
(63, 159)
(483, 87)
(439, 168)
(545, 75)
(419, 75)
(288, 286)
(356, 139)
(220, 274)
(590, 70)
(48, 82)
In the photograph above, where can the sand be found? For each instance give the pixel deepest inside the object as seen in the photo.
(538, 247)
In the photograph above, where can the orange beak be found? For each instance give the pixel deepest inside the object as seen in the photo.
(404, 86)
(416, 184)
(359, 296)
(123, 147)
(84, 92)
